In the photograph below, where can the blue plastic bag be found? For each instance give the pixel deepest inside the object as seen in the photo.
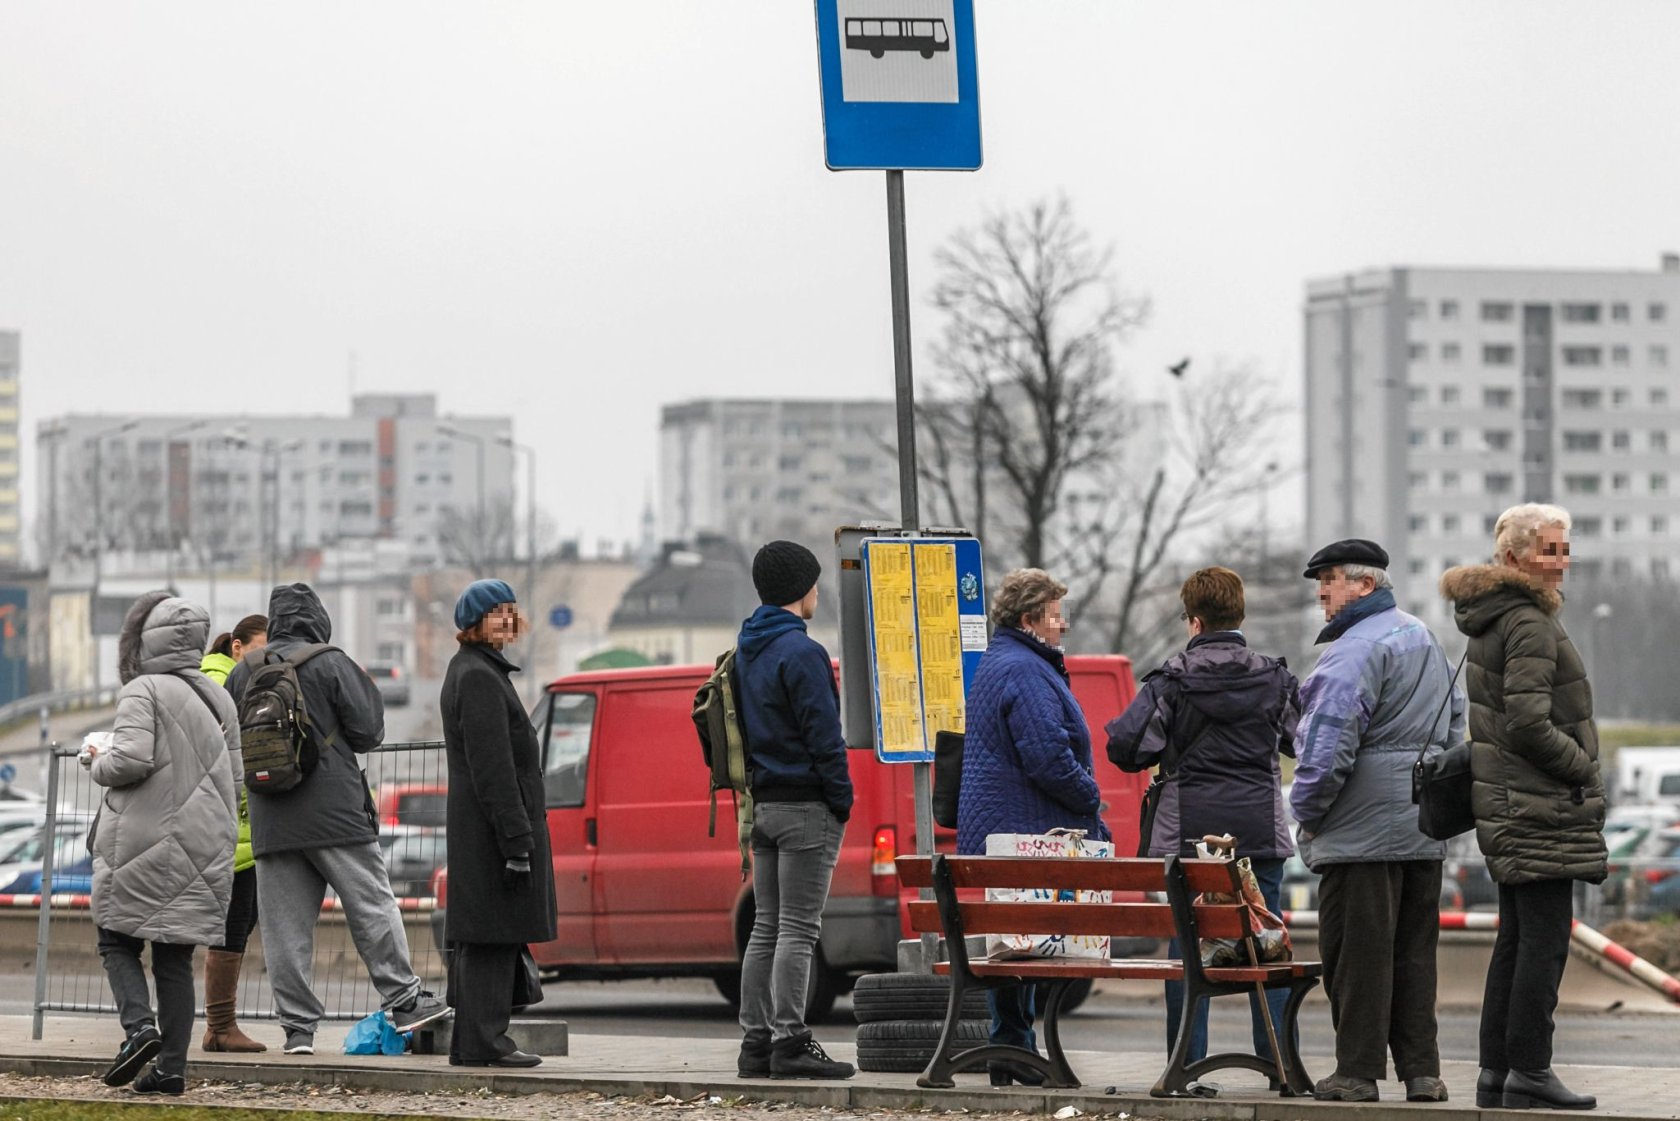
(374, 1035)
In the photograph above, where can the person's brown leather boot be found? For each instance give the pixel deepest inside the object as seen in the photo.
(221, 997)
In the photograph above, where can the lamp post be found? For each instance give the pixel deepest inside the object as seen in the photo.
(174, 532)
(530, 455)
(268, 468)
(99, 439)
(53, 434)
(455, 433)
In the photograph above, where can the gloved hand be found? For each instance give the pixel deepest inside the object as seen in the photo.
(516, 873)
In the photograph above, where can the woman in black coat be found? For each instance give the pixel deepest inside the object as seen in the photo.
(501, 876)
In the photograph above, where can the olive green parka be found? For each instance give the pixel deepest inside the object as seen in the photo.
(1538, 794)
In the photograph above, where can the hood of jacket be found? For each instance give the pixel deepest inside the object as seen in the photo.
(1222, 679)
(296, 614)
(161, 634)
(765, 626)
(1482, 593)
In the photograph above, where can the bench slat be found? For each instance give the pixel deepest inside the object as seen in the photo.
(1094, 873)
(1142, 920)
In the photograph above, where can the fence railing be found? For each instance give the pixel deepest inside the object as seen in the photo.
(409, 782)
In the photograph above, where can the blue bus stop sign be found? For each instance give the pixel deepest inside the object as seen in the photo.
(7, 773)
(560, 618)
(900, 89)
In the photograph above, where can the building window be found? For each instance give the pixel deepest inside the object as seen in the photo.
(1583, 441)
(1449, 523)
(1449, 310)
(1620, 525)
(1659, 441)
(1449, 481)
(1450, 353)
(1416, 480)
(1619, 482)
(1580, 484)
(1588, 527)
(1415, 567)
(1418, 309)
(1416, 394)
(1415, 438)
(1498, 482)
(1497, 398)
(1659, 398)
(1618, 356)
(1417, 352)
(1583, 398)
(1657, 313)
(1659, 483)
(1583, 356)
(1495, 312)
(1496, 439)
(1619, 313)
(1659, 354)
(1659, 524)
(1417, 523)
(1620, 441)
(1498, 354)
(1619, 398)
(1449, 395)
(1659, 568)
(1449, 437)
(1580, 313)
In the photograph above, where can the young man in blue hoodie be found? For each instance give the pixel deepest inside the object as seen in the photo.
(802, 796)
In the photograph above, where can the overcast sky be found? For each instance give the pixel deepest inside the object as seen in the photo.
(573, 212)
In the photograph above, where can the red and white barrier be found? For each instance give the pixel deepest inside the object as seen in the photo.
(82, 902)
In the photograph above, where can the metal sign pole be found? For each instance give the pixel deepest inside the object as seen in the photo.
(898, 257)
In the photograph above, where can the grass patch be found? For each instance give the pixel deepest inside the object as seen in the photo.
(43, 1109)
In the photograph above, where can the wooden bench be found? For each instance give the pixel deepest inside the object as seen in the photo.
(1181, 916)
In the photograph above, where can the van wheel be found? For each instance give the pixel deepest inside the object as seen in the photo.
(824, 987)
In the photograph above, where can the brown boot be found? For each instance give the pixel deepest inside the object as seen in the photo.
(221, 994)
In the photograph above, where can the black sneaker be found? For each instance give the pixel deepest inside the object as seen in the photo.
(155, 1081)
(754, 1061)
(422, 1010)
(809, 1060)
(137, 1051)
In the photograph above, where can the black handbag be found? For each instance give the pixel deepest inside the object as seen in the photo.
(947, 777)
(1441, 785)
(527, 982)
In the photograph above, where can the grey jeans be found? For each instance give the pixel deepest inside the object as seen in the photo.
(290, 889)
(794, 845)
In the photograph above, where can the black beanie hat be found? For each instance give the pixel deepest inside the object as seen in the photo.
(783, 571)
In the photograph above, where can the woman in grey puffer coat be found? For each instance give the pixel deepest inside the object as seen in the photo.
(163, 842)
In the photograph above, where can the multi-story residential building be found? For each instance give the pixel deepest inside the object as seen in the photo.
(754, 470)
(1436, 398)
(11, 524)
(200, 488)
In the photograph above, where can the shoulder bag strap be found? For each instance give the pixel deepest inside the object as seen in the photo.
(1445, 701)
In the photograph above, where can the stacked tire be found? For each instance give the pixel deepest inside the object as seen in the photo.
(900, 1017)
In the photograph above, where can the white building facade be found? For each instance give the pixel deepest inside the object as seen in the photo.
(1436, 398)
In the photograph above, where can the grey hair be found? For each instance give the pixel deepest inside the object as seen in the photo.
(1518, 527)
(1379, 576)
(1024, 594)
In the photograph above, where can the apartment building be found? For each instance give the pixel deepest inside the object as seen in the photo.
(1436, 398)
(224, 489)
(11, 518)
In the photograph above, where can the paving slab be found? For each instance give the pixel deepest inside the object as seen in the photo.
(1115, 1082)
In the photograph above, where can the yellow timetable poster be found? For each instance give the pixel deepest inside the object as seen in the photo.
(898, 694)
(939, 635)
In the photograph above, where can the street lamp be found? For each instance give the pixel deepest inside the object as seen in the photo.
(530, 455)
(457, 434)
(174, 530)
(53, 434)
(269, 452)
(99, 439)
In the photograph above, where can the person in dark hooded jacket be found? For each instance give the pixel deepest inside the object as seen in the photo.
(1215, 720)
(1537, 793)
(802, 796)
(323, 833)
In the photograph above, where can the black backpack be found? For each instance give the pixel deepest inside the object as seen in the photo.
(723, 744)
(274, 729)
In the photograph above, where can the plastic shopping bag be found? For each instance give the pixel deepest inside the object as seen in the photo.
(1068, 843)
(374, 1035)
(1271, 937)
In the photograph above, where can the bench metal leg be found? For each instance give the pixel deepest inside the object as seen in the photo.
(1060, 1075)
(940, 1068)
(1175, 1080)
(1298, 1080)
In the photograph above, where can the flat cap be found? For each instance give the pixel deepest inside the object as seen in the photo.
(1354, 550)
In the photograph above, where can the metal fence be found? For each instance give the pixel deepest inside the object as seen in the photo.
(409, 784)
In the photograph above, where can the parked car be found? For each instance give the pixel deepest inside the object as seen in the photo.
(627, 811)
(1643, 872)
(418, 805)
(391, 682)
(412, 861)
(72, 879)
(1466, 873)
(27, 852)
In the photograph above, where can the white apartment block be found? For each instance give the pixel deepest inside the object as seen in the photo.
(220, 490)
(11, 524)
(1436, 398)
(755, 470)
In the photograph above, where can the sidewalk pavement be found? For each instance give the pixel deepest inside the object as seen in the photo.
(685, 1068)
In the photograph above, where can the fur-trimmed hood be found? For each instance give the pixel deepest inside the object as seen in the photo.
(1483, 592)
(161, 634)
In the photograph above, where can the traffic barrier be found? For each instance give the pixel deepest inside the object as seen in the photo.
(409, 786)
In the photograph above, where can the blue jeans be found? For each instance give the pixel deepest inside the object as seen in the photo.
(1012, 1015)
(1269, 875)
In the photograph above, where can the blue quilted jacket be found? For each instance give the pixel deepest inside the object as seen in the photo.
(1027, 749)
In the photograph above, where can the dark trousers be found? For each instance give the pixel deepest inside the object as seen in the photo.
(1013, 1008)
(242, 912)
(1268, 874)
(1523, 977)
(1378, 927)
(172, 966)
(481, 992)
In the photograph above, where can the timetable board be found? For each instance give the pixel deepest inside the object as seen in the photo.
(926, 608)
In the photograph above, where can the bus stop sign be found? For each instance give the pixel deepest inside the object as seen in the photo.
(899, 85)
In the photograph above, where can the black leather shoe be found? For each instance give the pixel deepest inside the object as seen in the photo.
(1490, 1088)
(754, 1060)
(1003, 1073)
(511, 1059)
(1541, 1089)
(137, 1051)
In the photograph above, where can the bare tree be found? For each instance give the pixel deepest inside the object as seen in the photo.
(478, 540)
(1026, 384)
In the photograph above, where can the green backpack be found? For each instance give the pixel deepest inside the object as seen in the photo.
(717, 718)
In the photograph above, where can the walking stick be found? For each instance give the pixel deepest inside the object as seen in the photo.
(1227, 845)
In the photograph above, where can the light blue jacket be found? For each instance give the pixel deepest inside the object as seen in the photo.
(1376, 697)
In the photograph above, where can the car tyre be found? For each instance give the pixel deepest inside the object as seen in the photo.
(880, 997)
(906, 1046)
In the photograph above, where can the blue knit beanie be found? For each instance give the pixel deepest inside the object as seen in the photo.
(478, 600)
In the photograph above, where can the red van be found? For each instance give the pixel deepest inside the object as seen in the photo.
(641, 891)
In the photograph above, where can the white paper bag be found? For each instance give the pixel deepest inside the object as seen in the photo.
(1064, 843)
